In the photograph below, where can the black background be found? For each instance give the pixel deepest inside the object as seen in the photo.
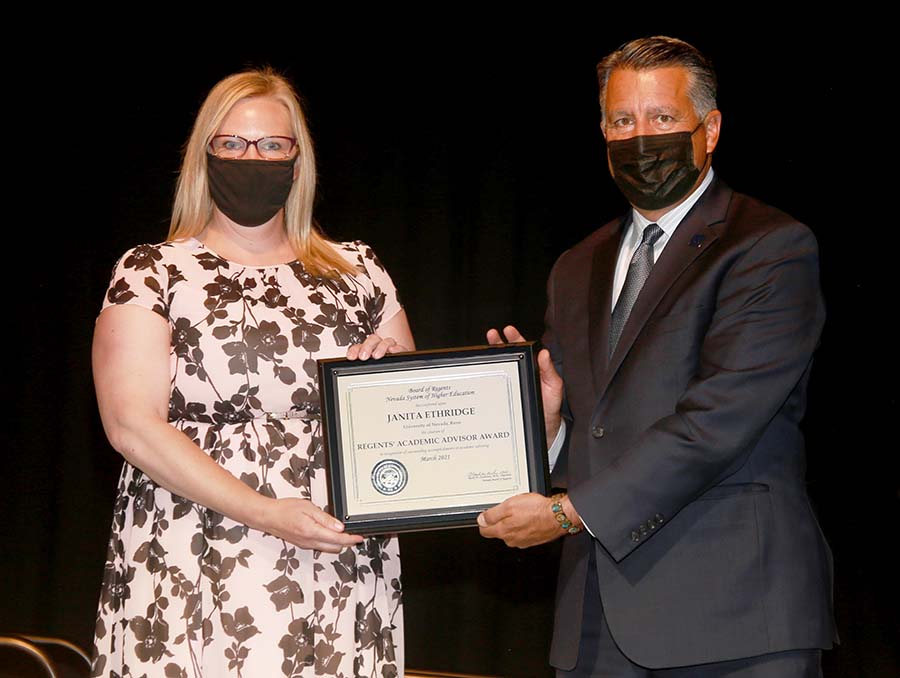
(466, 150)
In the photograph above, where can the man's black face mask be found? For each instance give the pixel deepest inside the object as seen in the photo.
(654, 170)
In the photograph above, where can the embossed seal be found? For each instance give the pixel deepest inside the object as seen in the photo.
(389, 476)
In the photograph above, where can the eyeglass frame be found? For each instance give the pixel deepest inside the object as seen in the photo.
(253, 143)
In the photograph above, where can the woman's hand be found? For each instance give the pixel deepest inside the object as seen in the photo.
(303, 524)
(393, 336)
(375, 346)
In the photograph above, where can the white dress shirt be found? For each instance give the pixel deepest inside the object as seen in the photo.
(668, 222)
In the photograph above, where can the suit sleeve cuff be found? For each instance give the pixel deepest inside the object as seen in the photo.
(583, 524)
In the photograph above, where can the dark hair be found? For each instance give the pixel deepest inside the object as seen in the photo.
(660, 51)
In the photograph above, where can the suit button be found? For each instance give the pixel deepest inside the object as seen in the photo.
(658, 518)
(635, 536)
(597, 431)
(644, 530)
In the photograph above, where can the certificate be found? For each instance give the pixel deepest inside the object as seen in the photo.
(429, 439)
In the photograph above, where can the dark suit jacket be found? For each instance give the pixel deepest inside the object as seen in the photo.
(683, 451)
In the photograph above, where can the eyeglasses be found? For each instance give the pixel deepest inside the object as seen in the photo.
(270, 148)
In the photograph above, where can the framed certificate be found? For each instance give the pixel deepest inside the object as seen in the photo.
(429, 439)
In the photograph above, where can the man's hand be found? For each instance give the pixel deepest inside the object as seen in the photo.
(525, 520)
(551, 382)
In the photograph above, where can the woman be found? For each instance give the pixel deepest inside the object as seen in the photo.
(221, 560)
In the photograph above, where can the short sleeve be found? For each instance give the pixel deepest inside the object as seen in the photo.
(140, 277)
(381, 300)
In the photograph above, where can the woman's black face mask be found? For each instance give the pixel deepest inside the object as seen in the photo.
(249, 192)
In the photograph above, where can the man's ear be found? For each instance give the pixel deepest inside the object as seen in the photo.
(713, 127)
(602, 122)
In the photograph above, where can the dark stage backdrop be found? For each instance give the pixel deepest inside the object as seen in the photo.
(469, 163)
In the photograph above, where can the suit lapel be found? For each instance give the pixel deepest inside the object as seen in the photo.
(603, 268)
(694, 235)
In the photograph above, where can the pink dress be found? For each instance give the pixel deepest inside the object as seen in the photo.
(188, 592)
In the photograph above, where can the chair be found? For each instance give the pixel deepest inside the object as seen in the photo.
(22, 656)
(413, 673)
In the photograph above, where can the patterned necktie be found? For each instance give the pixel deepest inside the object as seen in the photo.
(638, 272)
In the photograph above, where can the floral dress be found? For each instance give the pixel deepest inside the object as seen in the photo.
(187, 592)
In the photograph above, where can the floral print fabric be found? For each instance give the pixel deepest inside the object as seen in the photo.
(188, 592)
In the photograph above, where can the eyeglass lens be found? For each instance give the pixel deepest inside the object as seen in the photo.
(270, 148)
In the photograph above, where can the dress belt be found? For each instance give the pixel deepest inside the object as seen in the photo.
(290, 414)
(244, 418)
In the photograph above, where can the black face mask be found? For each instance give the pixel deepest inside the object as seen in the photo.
(249, 192)
(654, 170)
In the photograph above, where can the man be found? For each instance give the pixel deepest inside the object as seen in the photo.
(681, 339)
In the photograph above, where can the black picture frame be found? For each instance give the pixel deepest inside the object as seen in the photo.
(515, 358)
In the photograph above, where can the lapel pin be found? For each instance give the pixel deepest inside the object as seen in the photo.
(697, 240)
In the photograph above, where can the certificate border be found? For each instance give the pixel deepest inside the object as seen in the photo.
(509, 394)
(332, 369)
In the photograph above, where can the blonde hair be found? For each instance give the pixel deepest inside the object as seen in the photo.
(193, 206)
